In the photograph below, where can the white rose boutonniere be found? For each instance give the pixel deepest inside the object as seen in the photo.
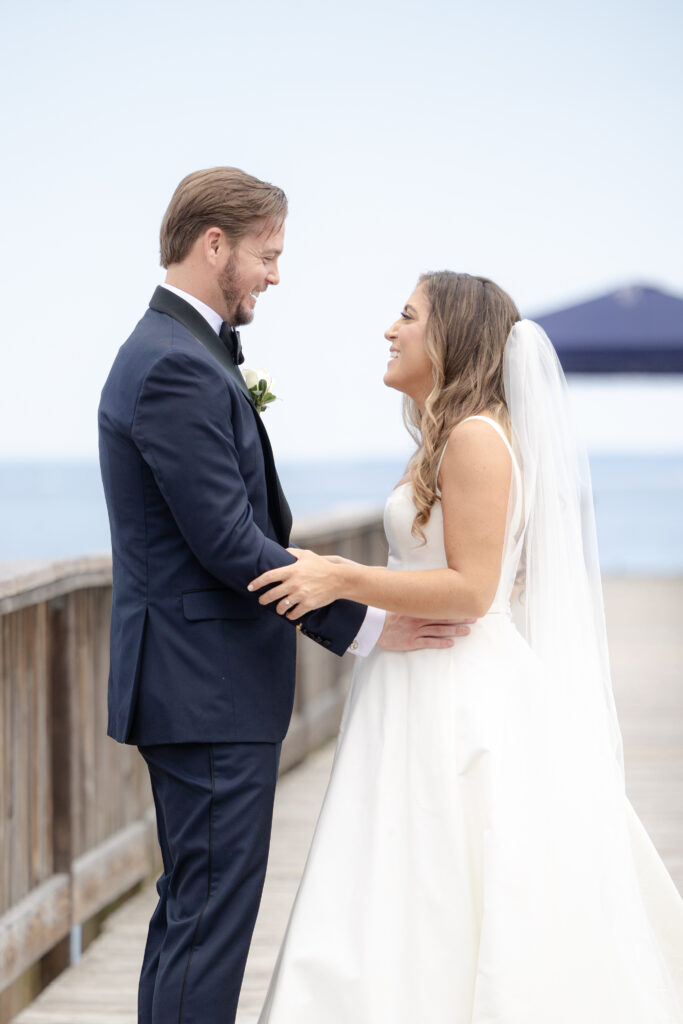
(261, 386)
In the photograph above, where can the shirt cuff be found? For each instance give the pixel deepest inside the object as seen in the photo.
(369, 632)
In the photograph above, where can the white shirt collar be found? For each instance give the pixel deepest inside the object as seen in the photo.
(214, 319)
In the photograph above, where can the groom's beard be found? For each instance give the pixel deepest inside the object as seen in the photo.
(236, 299)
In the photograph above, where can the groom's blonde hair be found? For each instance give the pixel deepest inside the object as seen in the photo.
(222, 197)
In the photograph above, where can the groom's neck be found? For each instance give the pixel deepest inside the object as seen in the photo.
(193, 281)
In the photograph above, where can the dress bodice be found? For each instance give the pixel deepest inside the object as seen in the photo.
(407, 552)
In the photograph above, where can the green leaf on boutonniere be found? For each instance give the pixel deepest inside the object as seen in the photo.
(260, 384)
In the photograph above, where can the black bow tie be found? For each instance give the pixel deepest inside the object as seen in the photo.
(231, 339)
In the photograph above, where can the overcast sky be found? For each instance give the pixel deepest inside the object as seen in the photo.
(536, 143)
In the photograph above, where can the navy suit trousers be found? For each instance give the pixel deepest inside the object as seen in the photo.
(214, 806)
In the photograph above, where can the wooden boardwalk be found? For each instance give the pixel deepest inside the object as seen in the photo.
(646, 639)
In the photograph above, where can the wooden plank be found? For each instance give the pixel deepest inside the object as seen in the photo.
(105, 781)
(81, 739)
(60, 746)
(5, 761)
(646, 651)
(33, 926)
(36, 755)
(21, 748)
(27, 583)
(103, 874)
(44, 752)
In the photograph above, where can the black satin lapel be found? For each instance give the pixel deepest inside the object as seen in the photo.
(165, 301)
(278, 506)
(285, 513)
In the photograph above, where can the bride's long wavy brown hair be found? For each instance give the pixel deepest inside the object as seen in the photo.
(468, 324)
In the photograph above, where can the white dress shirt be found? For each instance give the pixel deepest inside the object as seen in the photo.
(373, 623)
(214, 319)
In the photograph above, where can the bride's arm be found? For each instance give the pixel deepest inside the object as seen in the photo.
(475, 483)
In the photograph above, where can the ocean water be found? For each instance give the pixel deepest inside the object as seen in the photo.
(56, 509)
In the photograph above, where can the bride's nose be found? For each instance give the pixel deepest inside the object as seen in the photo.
(390, 332)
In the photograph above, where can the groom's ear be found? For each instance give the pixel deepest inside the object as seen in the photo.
(215, 245)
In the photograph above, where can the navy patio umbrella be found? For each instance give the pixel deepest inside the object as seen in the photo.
(633, 330)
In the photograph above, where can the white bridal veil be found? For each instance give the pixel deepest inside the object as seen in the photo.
(598, 871)
(560, 608)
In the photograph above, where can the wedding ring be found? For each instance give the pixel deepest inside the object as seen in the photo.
(287, 601)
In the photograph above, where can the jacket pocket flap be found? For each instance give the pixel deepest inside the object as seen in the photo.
(218, 604)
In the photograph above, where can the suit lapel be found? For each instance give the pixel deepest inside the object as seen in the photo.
(165, 301)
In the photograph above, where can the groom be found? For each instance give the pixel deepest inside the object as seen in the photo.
(202, 676)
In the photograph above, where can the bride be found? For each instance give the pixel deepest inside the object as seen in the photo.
(476, 860)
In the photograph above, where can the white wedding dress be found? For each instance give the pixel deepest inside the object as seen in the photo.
(464, 870)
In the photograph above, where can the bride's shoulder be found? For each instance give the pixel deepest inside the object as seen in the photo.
(484, 429)
(476, 447)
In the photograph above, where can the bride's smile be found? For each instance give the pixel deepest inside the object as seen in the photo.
(409, 368)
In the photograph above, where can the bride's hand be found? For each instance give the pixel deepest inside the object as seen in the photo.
(311, 582)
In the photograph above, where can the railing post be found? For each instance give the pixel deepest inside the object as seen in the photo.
(61, 757)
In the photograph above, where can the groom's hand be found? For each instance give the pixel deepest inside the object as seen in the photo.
(405, 633)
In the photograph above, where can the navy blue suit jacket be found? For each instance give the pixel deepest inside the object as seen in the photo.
(196, 511)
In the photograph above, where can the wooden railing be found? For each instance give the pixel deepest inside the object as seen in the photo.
(76, 816)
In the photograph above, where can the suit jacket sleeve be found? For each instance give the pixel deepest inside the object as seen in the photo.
(183, 427)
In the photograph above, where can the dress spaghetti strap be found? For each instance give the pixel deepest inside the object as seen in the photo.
(499, 430)
(497, 427)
